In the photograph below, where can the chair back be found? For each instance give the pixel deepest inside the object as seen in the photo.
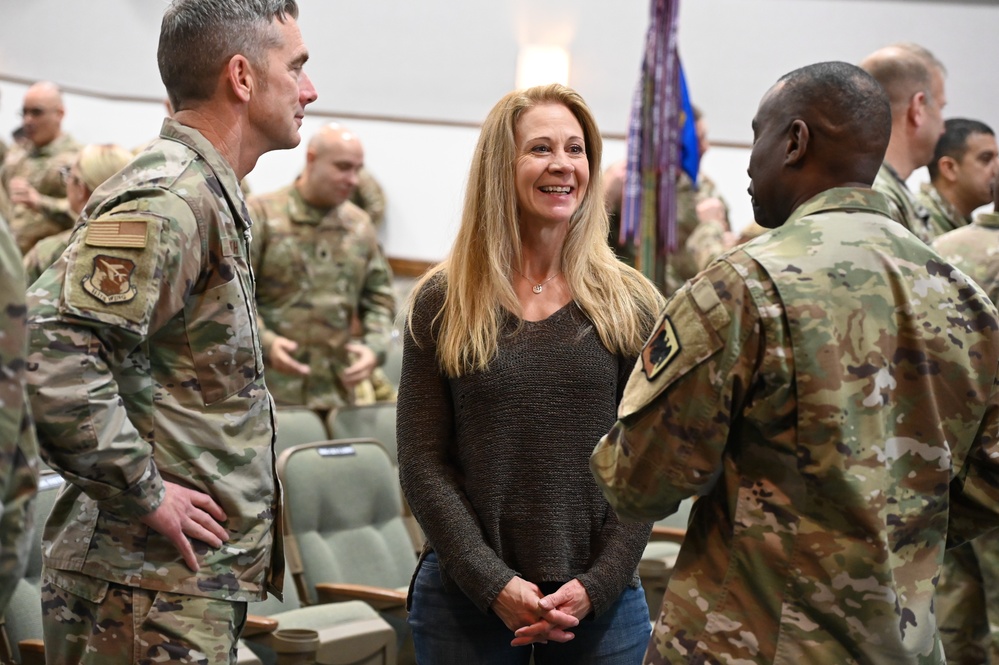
(296, 426)
(375, 421)
(343, 516)
(23, 617)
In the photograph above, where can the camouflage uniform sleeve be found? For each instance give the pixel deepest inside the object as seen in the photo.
(18, 466)
(706, 243)
(678, 406)
(124, 276)
(377, 303)
(56, 208)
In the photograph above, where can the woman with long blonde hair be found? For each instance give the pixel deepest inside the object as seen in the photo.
(517, 350)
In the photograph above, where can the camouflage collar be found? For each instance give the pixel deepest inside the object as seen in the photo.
(197, 142)
(859, 199)
(945, 207)
(60, 144)
(301, 211)
(989, 220)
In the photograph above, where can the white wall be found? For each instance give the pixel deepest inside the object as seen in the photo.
(450, 60)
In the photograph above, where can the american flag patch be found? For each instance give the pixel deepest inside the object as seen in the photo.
(117, 233)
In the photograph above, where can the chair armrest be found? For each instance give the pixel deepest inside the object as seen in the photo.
(32, 652)
(257, 625)
(670, 533)
(379, 598)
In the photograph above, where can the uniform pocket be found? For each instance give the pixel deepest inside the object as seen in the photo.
(221, 339)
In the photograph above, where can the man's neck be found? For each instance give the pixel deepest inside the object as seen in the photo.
(897, 157)
(224, 134)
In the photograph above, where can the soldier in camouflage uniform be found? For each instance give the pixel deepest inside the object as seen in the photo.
(914, 81)
(147, 369)
(967, 600)
(819, 388)
(962, 173)
(31, 173)
(18, 452)
(318, 263)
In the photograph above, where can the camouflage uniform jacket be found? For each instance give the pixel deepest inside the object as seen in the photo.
(814, 387)
(902, 205)
(146, 363)
(975, 250)
(18, 452)
(944, 216)
(43, 254)
(315, 269)
(42, 168)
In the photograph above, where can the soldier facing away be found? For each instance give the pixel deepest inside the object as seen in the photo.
(147, 369)
(829, 391)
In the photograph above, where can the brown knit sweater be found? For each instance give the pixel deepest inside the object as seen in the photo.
(495, 465)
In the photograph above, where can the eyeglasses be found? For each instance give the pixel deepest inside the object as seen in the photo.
(67, 175)
(32, 112)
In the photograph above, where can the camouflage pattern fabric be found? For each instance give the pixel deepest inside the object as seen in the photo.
(975, 250)
(18, 451)
(944, 216)
(903, 206)
(42, 168)
(968, 593)
(44, 254)
(814, 388)
(315, 269)
(146, 363)
(681, 264)
(120, 624)
(369, 197)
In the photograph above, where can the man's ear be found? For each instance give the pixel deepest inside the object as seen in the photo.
(797, 143)
(916, 112)
(240, 77)
(947, 167)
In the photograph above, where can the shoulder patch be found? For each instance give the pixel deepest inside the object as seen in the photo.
(117, 231)
(110, 281)
(662, 348)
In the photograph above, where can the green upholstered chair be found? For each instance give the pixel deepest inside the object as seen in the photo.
(297, 425)
(345, 537)
(21, 635)
(350, 633)
(375, 421)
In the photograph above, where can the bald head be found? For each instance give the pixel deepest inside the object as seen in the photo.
(914, 81)
(822, 126)
(902, 70)
(334, 158)
(42, 112)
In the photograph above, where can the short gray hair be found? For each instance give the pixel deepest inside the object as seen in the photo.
(198, 37)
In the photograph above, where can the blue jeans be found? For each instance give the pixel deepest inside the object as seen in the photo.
(449, 629)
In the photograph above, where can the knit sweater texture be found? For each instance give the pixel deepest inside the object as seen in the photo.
(495, 464)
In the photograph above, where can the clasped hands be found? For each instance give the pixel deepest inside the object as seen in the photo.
(534, 617)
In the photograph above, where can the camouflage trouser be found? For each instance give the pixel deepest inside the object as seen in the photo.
(90, 621)
(967, 602)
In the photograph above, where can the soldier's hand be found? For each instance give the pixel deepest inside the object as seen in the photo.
(711, 210)
(279, 356)
(364, 364)
(21, 192)
(186, 514)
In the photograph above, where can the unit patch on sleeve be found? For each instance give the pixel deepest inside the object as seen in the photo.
(660, 350)
(110, 281)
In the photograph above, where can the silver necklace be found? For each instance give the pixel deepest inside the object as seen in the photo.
(539, 286)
